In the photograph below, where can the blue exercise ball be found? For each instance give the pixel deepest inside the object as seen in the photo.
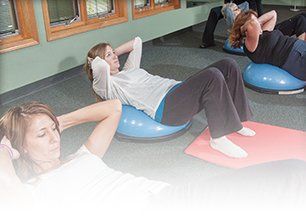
(135, 124)
(271, 79)
(227, 47)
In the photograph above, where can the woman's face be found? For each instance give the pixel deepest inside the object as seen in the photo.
(236, 11)
(112, 59)
(42, 140)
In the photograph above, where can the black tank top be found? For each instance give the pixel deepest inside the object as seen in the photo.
(273, 48)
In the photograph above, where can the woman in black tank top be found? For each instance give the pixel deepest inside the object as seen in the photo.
(266, 43)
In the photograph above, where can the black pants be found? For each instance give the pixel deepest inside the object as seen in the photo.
(218, 89)
(293, 26)
(274, 183)
(296, 61)
(215, 15)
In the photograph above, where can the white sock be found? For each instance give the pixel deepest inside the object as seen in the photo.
(227, 147)
(246, 132)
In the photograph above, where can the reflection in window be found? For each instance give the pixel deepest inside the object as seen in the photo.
(8, 21)
(64, 18)
(143, 8)
(99, 8)
(161, 2)
(63, 11)
(141, 3)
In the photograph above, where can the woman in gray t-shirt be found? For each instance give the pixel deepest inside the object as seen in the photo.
(218, 89)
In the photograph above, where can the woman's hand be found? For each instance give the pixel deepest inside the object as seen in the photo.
(268, 20)
(251, 24)
(60, 124)
(7, 143)
(125, 48)
(244, 28)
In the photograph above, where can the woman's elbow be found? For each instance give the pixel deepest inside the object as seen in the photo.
(274, 14)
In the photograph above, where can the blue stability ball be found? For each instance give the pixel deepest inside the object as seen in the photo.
(135, 124)
(229, 49)
(271, 79)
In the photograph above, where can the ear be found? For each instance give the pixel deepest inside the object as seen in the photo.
(89, 60)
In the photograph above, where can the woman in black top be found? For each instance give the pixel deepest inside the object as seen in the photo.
(264, 44)
(215, 15)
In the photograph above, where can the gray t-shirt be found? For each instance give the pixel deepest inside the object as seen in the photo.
(86, 178)
(133, 85)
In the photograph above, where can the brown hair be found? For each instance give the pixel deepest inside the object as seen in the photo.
(97, 50)
(14, 123)
(236, 35)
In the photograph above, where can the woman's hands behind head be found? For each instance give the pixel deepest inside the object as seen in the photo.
(7, 143)
(251, 23)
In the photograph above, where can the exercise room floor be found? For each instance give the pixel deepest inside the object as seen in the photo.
(178, 56)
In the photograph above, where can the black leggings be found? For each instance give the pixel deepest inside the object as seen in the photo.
(218, 89)
(293, 26)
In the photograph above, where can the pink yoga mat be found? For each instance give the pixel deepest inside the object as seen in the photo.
(271, 143)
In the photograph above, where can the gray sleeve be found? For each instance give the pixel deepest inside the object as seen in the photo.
(101, 77)
(134, 58)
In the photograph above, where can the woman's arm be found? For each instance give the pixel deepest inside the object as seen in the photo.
(106, 113)
(11, 187)
(268, 20)
(252, 31)
(101, 77)
(124, 48)
(8, 177)
(134, 59)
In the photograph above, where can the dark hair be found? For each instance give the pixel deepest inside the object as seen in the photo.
(236, 37)
(14, 123)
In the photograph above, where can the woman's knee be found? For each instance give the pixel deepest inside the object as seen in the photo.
(215, 12)
(301, 19)
(116, 105)
(301, 25)
(213, 74)
(230, 62)
(233, 67)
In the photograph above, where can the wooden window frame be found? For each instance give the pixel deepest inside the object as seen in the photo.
(85, 24)
(28, 35)
(153, 9)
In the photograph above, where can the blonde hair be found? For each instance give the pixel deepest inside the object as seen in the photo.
(97, 50)
(236, 37)
(14, 124)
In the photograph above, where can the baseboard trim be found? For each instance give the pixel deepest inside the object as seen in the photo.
(34, 87)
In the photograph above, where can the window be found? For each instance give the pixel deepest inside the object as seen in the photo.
(62, 11)
(17, 25)
(96, 8)
(142, 4)
(161, 2)
(8, 22)
(142, 8)
(68, 17)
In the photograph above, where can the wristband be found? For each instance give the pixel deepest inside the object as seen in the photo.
(8, 149)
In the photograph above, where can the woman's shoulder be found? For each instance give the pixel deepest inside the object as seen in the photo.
(82, 159)
(81, 152)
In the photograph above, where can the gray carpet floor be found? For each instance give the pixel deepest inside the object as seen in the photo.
(178, 56)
